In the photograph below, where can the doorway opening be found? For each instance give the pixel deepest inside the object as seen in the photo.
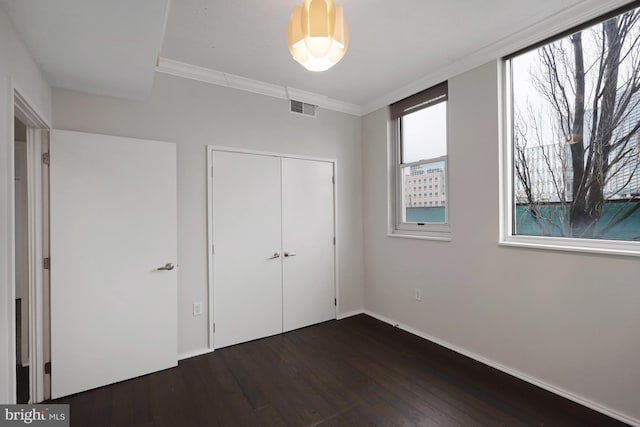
(21, 261)
(31, 252)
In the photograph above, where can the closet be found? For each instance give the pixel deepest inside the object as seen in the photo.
(273, 244)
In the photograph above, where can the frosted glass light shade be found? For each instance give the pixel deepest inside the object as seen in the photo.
(317, 34)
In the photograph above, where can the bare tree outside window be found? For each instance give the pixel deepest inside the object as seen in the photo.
(576, 134)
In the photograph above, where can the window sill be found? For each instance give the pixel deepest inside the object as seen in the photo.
(604, 247)
(439, 237)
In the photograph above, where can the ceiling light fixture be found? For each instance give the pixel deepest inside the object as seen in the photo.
(317, 34)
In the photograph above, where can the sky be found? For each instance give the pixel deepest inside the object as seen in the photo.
(527, 65)
(428, 124)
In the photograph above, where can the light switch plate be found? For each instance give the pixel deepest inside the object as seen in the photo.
(197, 309)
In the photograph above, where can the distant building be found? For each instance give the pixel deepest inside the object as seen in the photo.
(425, 186)
(551, 172)
(624, 179)
(549, 169)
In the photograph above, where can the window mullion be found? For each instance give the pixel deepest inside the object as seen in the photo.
(424, 161)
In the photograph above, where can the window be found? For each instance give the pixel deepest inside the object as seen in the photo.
(419, 138)
(572, 153)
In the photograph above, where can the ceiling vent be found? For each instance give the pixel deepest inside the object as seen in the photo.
(299, 107)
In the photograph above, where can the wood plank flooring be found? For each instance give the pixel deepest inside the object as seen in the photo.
(353, 372)
(22, 372)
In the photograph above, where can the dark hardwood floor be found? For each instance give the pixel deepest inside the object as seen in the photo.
(353, 372)
(22, 372)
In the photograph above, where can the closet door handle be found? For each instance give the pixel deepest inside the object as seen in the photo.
(275, 255)
(167, 267)
(289, 254)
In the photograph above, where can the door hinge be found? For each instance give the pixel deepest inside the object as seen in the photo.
(333, 179)
(334, 241)
(46, 263)
(335, 301)
(213, 249)
(45, 158)
(47, 368)
(214, 327)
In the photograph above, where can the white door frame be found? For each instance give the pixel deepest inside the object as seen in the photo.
(36, 124)
(36, 139)
(210, 235)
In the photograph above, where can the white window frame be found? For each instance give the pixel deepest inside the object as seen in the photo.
(397, 227)
(507, 176)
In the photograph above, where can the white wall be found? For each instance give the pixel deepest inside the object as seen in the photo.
(17, 69)
(194, 114)
(569, 320)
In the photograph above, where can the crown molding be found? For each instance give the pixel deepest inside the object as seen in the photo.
(207, 75)
(541, 28)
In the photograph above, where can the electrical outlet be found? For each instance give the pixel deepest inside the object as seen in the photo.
(197, 309)
(418, 294)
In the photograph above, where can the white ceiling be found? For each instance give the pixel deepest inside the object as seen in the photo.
(106, 47)
(392, 42)
(109, 46)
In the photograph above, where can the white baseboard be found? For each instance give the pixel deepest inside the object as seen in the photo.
(194, 353)
(549, 387)
(349, 314)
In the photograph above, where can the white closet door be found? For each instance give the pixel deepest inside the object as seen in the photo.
(113, 223)
(247, 263)
(307, 237)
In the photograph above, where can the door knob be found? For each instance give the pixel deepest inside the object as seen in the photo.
(288, 254)
(275, 255)
(167, 267)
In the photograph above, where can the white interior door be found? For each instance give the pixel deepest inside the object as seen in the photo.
(247, 268)
(113, 224)
(307, 238)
